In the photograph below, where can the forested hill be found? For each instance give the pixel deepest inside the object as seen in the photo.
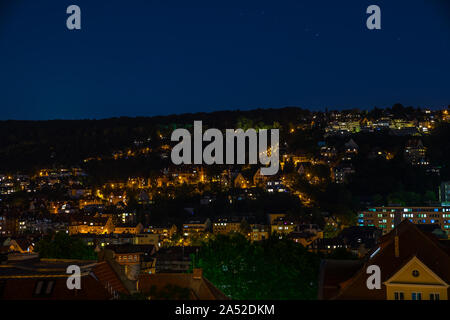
(28, 145)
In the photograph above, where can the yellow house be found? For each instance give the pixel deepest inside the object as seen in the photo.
(129, 228)
(95, 225)
(240, 182)
(90, 202)
(147, 238)
(413, 264)
(259, 232)
(283, 226)
(227, 225)
(415, 281)
(164, 232)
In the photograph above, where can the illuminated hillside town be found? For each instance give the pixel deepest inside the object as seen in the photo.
(354, 188)
(224, 159)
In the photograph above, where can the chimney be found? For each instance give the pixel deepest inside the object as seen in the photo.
(197, 273)
(397, 247)
(397, 219)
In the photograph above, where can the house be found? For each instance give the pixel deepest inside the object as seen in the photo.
(283, 226)
(331, 221)
(108, 275)
(414, 265)
(207, 200)
(174, 259)
(241, 182)
(77, 193)
(91, 202)
(129, 228)
(143, 197)
(306, 234)
(9, 224)
(415, 152)
(225, 225)
(164, 231)
(271, 217)
(21, 245)
(179, 286)
(89, 224)
(259, 232)
(385, 218)
(378, 153)
(130, 257)
(326, 245)
(360, 240)
(199, 226)
(304, 238)
(301, 170)
(328, 152)
(147, 238)
(357, 240)
(275, 185)
(342, 172)
(117, 197)
(103, 240)
(128, 254)
(259, 180)
(44, 287)
(351, 147)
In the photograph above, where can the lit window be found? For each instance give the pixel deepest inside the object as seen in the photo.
(416, 296)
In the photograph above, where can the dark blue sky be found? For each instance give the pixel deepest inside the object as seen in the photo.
(144, 57)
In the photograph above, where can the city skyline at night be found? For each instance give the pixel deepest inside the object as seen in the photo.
(222, 158)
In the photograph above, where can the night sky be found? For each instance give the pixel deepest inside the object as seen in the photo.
(144, 57)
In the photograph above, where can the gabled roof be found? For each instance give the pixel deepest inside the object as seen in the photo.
(106, 275)
(45, 279)
(351, 144)
(22, 243)
(415, 261)
(412, 242)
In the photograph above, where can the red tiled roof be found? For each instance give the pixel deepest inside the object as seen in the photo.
(108, 277)
(24, 289)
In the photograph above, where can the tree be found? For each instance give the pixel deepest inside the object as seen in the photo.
(429, 196)
(244, 227)
(271, 269)
(342, 254)
(63, 246)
